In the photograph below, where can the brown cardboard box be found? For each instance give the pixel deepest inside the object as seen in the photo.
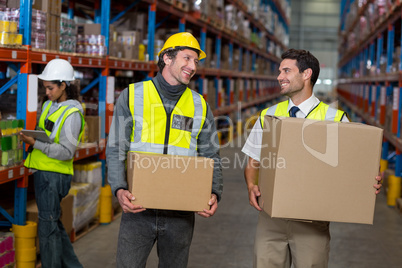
(170, 181)
(88, 28)
(36, 4)
(55, 7)
(66, 212)
(319, 170)
(130, 52)
(93, 123)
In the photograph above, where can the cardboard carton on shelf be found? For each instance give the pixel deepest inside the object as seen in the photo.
(93, 123)
(319, 170)
(89, 29)
(66, 217)
(169, 181)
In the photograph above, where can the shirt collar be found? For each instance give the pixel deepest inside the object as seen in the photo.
(306, 106)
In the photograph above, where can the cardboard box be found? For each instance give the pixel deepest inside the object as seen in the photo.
(36, 4)
(66, 212)
(89, 28)
(319, 170)
(93, 123)
(170, 181)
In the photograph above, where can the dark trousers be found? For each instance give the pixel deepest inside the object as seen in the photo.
(172, 230)
(55, 246)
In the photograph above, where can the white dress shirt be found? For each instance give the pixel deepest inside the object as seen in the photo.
(252, 147)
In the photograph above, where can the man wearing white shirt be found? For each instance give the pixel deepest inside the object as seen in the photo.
(282, 242)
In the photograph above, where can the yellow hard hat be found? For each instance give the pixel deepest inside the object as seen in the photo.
(183, 39)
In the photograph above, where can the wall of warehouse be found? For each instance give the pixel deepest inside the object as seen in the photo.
(314, 27)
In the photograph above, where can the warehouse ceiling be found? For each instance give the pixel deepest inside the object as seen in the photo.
(315, 24)
(315, 27)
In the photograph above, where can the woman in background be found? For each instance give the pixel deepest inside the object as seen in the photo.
(62, 120)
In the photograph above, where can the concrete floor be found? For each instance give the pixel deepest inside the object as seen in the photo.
(226, 239)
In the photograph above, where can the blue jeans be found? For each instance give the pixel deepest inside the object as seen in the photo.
(173, 231)
(54, 243)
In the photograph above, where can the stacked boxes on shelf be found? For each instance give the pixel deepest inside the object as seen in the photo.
(11, 146)
(68, 35)
(130, 41)
(89, 40)
(38, 34)
(87, 181)
(128, 37)
(53, 24)
(7, 252)
(9, 25)
(9, 18)
(374, 13)
(43, 27)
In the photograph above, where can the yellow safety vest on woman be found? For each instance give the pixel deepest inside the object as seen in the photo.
(40, 161)
(321, 112)
(156, 131)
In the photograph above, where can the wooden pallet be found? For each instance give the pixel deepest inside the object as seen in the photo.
(75, 235)
(399, 204)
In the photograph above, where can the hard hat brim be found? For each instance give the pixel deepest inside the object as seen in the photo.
(201, 56)
(44, 78)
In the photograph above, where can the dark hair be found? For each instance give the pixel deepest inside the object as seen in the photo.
(172, 53)
(71, 90)
(304, 60)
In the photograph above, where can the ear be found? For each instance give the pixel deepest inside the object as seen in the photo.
(63, 86)
(307, 74)
(166, 59)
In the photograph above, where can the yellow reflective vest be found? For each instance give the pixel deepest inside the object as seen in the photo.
(40, 161)
(156, 131)
(321, 112)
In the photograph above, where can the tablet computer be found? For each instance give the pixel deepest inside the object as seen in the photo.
(37, 134)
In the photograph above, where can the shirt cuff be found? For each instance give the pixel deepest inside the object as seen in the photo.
(251, 154)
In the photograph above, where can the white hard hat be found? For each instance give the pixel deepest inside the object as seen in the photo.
(57, 69)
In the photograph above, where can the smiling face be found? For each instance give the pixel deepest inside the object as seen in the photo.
(290, 79)
(55, 92)
(180, 69)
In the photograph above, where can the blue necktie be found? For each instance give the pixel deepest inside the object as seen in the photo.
(293, 111)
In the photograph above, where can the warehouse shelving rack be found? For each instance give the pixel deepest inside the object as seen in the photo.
(22, 58)
(375, 95)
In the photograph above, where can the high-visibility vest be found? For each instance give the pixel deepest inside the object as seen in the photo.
(40, 161)
(321, 112)
(156, 131)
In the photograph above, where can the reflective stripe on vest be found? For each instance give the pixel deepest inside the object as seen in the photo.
(40, 161)
(154, 131)
(321, 112)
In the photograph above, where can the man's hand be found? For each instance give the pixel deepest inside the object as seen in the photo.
(251, 175)
(125, 198)
(213, 202)
(378, 185)
(253, 195)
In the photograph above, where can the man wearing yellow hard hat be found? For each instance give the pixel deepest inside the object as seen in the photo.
(175, 109)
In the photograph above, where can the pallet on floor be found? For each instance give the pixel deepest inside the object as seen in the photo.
(399, 204)
(90, 226)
